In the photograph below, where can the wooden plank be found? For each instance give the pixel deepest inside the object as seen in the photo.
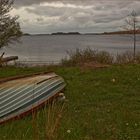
(10, 58)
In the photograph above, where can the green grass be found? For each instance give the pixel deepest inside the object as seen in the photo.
(96, 107)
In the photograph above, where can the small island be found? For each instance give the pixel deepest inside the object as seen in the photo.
(69, 33)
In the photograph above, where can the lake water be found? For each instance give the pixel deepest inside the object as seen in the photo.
(54, 47)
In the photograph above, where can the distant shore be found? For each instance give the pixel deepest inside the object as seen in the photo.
(78, 33)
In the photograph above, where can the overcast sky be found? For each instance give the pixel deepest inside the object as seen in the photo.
(47, 16)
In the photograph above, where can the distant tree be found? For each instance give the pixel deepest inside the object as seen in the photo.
(131, 25)
(9, 26)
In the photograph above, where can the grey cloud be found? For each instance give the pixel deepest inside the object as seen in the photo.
(31, 2)
(102, 16)
(81, 2)
(49, 11)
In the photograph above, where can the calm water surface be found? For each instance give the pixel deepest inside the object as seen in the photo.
(55, 47)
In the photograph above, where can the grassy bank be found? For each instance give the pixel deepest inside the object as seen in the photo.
(102, 104)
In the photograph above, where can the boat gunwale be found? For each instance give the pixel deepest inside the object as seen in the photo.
(3, 80)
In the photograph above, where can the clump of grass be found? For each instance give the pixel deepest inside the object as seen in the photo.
(51, 120)
(104, 57)
(87, 55)
(128, 58)
(125, 58)
(138, 57)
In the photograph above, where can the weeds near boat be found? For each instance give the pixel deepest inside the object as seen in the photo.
(52, 114)
(53, 121)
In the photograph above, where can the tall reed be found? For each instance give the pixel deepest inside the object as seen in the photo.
(51, 120)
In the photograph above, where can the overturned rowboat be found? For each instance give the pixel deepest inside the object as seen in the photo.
(19, 96)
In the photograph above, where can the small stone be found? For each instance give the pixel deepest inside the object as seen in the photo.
(108, 111)
(136, 124)
(84, 93)
(127, 124)
(113, 80)
(61, 94)
(68, 131)
(61, 98)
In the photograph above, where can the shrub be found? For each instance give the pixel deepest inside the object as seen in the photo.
(87, 55)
